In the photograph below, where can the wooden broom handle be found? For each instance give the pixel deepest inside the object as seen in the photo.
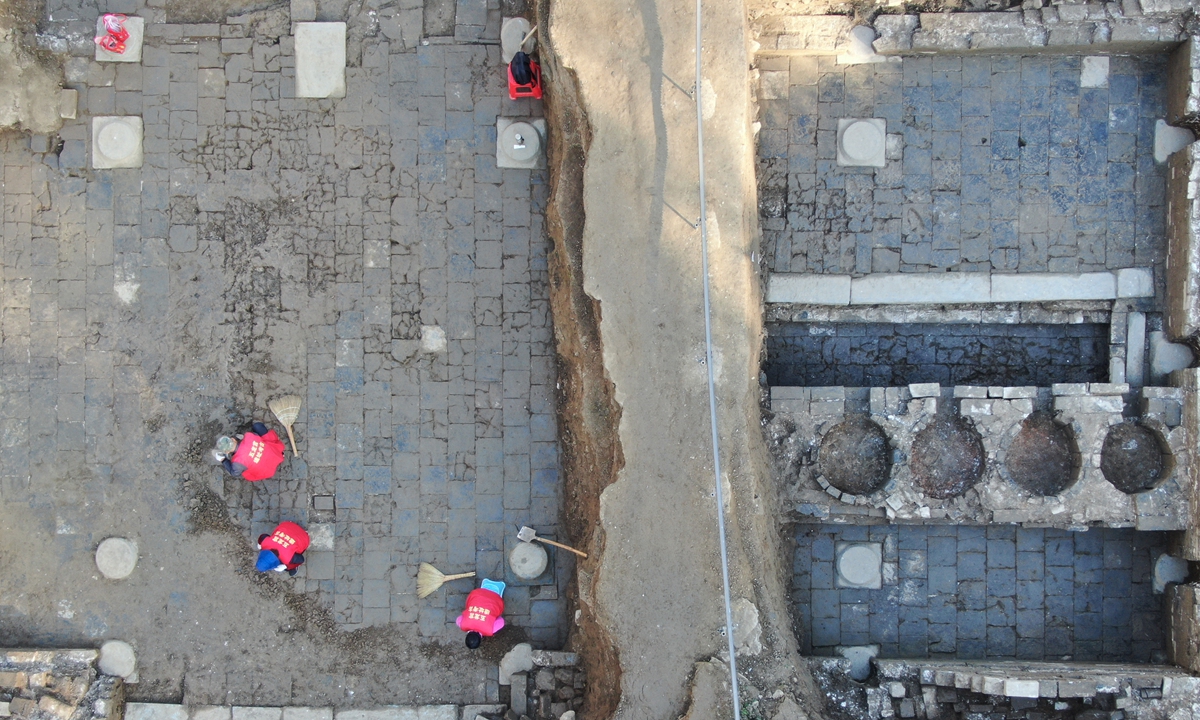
(293, 439)
(580, 553)
(459, 576)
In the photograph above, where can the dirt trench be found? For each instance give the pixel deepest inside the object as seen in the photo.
(588, 413)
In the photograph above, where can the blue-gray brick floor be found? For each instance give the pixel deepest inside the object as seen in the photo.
(1007, 165)
(893, 354)
(986, 592)
(272, 245)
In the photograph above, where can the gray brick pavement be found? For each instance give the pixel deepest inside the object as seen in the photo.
(1007, 165)
(294, 245)
(986, 592)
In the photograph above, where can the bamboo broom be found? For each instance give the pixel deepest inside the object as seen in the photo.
(429, 579)
(287, 409)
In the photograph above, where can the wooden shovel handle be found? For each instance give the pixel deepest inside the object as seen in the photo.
(459, 576)
(293, 439)
(580, 553)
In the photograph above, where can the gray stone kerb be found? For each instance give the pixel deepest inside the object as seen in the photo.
(958, 287)
(164, 711)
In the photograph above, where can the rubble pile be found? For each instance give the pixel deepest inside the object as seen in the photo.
(58, 685)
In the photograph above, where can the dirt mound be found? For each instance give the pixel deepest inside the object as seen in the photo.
(30, 82)
(947, 457)
(1042, 458)
(855, 456)
(1132, 458)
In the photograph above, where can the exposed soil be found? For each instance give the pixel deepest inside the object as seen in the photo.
(202, 11)
(1132, 458)
(1042, 458)
(855, 457)
(947, 457)
(588, 414)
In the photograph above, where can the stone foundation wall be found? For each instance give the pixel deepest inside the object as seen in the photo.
(965, 689)
(1183, 85)
(803, 416)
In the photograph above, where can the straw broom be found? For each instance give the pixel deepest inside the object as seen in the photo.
(429, 579)
(287, 409)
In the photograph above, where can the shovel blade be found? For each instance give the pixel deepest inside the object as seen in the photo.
(526, 534)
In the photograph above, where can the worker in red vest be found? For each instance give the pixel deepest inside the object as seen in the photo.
(481, 617)
(257, 455)
(283, 549)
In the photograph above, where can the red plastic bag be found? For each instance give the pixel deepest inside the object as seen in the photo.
(114, 40)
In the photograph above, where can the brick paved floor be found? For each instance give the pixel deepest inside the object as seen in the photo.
(994, 592)
(886, 354)
(272, 245)
(1007, 165)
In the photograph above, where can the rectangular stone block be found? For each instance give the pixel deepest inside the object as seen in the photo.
(1135, 282)
(1018, 393)
(1135, 348)
(257, 713)
(1108, 388)
(808, 289)
(1076, 688)
(993, 686)
(1048, 688)
(1049, 287)
(320, 59)
(831, 407)
(306, 713)
(155, 711)
(825, 394)
(1021, 688)
(920, 288)
(385, 713)
(976, 407)
(1090, 404)
(970, 391)
(923, 390)
(1069, 388)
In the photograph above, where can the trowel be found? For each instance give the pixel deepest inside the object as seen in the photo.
(528, 534)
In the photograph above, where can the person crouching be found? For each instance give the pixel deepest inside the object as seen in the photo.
(283, 549)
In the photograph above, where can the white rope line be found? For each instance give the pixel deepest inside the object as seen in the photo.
(708, 361)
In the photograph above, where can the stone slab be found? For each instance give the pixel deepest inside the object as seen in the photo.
(1135, 282)
(1049, 287)
(320, 59)
(1135, 348)
(807, 289)
(155, 711)
(1169, 139)
(136, 26)
(306, 713)
(1021, 688)
(386, 713)
(920, 288)
(1094, 73)
(1166, 357)
(112, 131)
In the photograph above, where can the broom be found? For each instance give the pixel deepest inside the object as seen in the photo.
(429, 579)
(287, 409)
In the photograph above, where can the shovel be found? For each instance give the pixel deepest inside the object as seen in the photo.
(528, 534)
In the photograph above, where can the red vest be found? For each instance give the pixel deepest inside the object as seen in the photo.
(484, 608)
(287, 540)
(259, 455)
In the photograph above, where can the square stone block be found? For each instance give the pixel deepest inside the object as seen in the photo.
(859, 565)
(320, 59)
(862, 142)
(116, 142)
(133, 46)
(517, 147)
